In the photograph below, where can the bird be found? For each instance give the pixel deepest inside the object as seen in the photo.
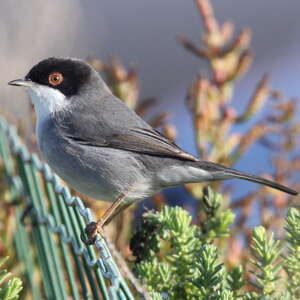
(102, 148)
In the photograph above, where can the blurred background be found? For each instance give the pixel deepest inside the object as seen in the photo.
(143, 35)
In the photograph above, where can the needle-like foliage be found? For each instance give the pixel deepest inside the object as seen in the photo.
(182, 261)
(9, 289)
(265, 251)
(292, 258)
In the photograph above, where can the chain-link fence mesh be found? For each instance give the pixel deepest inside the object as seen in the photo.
(49, 224)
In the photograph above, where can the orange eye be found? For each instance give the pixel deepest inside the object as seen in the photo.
(55, 78)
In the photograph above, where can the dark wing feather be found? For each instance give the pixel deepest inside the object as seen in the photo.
(212, 167)
(140, 140)
(110, 123)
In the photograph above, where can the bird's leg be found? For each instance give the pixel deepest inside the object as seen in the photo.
(112, 209)
(93, 228)
(118, 210)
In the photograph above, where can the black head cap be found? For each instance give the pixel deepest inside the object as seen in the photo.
(65, 74)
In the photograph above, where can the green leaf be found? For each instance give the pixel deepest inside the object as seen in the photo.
(266, 250)
(292, 259)
(9, 290)
(13, 289)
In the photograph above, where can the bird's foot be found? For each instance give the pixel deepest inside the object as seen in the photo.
(91, 231)
(94, 228)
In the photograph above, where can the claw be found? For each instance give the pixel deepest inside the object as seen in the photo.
(89, 236)
(94, 228)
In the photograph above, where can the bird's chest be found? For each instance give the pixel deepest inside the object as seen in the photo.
(73, 165)
(57, 152)
(99, 172)
(51, 146)
(48, 141)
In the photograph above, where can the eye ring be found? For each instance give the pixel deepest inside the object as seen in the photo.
(55, 78)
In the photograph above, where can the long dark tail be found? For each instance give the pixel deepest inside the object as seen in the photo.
(232, 173)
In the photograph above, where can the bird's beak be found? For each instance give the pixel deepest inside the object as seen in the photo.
(22, 82)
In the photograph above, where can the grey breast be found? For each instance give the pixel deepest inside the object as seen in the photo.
(99, 172)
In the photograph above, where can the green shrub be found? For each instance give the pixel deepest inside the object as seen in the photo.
(9, 290)
(181, 260)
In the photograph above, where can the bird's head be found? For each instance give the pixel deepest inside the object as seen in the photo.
(55, 83)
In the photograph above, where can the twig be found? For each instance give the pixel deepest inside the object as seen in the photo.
(209, 20)
(126, 272)
(192, 48)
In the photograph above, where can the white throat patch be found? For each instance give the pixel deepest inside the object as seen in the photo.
(46, 101)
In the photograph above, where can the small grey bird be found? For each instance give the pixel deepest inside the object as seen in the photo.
(94, 142)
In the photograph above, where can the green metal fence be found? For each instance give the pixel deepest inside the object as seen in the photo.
(57, 264)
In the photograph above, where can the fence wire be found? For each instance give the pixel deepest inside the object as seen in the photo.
(57, 264)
